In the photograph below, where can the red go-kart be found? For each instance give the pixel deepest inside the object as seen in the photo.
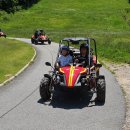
(76, 76)
(2, 34)
(40, 37)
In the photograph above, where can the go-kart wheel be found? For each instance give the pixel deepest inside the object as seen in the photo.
(49, 41)
(32, 41)
(44, 89)
(101, 90)
(5, 36)
(36, 42)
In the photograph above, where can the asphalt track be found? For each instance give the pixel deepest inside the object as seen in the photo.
(22, 109)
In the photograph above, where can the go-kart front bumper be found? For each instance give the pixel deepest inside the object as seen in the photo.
(62, 86)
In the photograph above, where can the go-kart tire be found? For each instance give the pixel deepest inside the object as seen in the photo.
(101, 90)
(49, 41)
(32, 41)
(44, 89)
(5, 36)
(36, 42)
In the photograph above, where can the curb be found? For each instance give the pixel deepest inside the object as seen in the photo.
(20, 71)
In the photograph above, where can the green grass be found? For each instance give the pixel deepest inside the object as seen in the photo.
(13, 56)
(114, 48)
(107, 21)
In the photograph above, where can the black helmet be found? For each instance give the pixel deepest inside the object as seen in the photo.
(84, 46)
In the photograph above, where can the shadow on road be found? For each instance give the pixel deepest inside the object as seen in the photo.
(42, 44)
(70, 101)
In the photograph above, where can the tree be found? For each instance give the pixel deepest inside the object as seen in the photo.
(10, 6)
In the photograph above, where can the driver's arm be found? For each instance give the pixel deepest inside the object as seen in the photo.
(57, 64)
(91, 61)
(71, 59)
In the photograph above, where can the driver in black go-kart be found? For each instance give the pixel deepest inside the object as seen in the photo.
(84, 55)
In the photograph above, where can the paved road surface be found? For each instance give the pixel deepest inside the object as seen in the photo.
(22, 109)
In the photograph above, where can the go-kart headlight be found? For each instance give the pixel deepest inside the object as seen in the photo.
(84, 71)
(61, 71)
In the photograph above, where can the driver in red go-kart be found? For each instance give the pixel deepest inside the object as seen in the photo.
(65, 58)
(83, 59)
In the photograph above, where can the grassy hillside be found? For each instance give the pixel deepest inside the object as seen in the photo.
(107, 21)
(13, 56)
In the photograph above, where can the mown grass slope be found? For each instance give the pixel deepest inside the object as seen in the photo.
(13, 56)
(107, 21)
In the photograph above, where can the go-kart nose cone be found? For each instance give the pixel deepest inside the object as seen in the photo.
(71, 75)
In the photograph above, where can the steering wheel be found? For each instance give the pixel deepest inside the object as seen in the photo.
(79, 59)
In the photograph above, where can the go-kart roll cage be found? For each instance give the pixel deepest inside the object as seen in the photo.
(77, 41)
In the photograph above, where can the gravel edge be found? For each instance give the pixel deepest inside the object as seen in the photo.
(125, 91)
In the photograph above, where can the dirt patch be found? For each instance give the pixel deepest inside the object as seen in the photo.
(122, 74)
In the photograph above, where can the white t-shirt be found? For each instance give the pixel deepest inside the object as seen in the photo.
(65, 60)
